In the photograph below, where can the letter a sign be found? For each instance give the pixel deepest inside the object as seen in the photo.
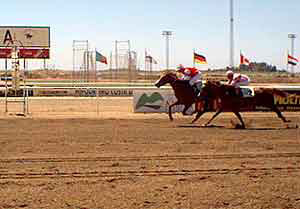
(25, 36)
(8, 38)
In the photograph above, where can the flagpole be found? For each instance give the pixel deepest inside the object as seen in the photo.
(240, 60)
(95, 66)
(287, 61)
(95, 61)
(194, 58)
(110, 66)
(145, 64)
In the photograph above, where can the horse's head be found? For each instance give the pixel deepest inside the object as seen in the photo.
(169, 77)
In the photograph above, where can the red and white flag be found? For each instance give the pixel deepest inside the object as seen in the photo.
(244, 60)
(292, 60)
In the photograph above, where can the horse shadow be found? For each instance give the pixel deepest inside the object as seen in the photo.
(200, 126)
(238, 128)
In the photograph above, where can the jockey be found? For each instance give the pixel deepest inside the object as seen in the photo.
(237, 80)
(193, 75)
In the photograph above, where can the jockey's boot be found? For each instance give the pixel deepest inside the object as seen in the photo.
(239, 92)
(196, 90)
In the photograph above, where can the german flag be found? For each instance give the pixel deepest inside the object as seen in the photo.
(199, 59)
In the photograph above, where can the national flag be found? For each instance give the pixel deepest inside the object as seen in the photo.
(100, 58)
(199, 59)
(292, 60)
(244, 60)
(150, 59)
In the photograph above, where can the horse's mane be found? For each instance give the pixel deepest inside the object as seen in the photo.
(166, 72)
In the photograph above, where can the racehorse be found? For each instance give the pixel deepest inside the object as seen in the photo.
(228, 100)
(183, 91)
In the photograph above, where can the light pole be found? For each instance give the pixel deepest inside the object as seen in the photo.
(231, 52)
(167, 34)
(292, 37)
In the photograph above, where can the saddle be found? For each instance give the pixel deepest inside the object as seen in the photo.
(241, 92)
(247, 91)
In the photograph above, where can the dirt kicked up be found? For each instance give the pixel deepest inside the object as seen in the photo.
(116, 159)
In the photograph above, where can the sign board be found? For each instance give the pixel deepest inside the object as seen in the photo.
(289, 103)
(34, 53)
(53, 92)
(104, 92)
(5, 53)
(25, 36)
(151, 101)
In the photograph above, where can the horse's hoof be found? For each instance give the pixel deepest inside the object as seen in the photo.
(239, 126)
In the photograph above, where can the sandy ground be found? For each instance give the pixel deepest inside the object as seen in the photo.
(87, 153)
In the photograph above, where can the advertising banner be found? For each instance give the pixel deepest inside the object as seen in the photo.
(151, 101)
(34, 53)
(289, 103)
(53, 92)
(104, 92)
(5, 53)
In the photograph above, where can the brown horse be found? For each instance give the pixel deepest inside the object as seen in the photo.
(229, 101)
(182, 89)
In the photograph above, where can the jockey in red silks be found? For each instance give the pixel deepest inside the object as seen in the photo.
(193, 75)
(237, 80)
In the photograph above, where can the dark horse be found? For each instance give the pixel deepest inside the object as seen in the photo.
(225, 94)
(182, 89)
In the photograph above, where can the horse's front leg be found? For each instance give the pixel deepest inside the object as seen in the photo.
(170, 110)
(238, 115)
(279, 114)
(215, 115)
(199, 114)
(186, 107)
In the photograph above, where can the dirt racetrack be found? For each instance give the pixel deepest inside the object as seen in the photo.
(65, 155)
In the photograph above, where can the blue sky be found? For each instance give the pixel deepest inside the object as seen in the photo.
(261, 27)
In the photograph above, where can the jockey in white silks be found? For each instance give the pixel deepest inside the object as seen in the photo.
(237, 80)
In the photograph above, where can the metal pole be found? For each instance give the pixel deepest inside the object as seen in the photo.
(167, 51)
(24, 88)
(194, 58)
(110, 66)
(129, 63)
(145, 64)
(292, 37)
(231, 58)
(73, 73)
(6, 88)
(87, 62)
(116, 55)
(95, 65)
(167, 34)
